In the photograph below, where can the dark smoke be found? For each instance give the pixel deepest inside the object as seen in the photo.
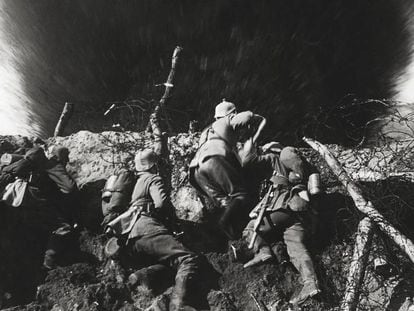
(292, 61)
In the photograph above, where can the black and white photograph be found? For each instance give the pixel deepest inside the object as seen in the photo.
(206, 155)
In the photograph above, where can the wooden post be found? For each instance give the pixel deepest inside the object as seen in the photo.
(64, 118)
(361, 204)
(154, 124)
(358, 264)
(168, 88)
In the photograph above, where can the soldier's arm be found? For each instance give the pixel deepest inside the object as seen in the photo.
(248, 119)
(163, 208)
(262, 124)
(158, 193)
(61, 177)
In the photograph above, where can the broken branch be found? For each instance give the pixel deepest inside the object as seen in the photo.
(358, 265)
(168, 88)
(64, 118)
(361, 204)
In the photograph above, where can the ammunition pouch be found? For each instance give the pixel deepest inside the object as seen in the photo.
(296, 203)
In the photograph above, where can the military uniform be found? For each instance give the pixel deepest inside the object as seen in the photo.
(51, 198)
(289, 214)
(144, 226)
(217, 173)
(64, 205)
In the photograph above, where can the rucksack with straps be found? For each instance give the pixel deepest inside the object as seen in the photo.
(7, 174)
(16, 176)
(116, 194)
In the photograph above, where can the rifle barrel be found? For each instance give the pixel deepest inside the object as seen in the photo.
(264, 204)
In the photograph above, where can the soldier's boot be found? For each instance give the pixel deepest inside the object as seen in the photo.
(226, 225)
(154, 277)
(263, 255)
(309, 290)
(180, 297)
(58, 240)
(294, 238)
(235, 217)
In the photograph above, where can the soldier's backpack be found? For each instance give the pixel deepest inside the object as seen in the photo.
(116, 194)
(16, 173)
(293, 171)
(5, 176)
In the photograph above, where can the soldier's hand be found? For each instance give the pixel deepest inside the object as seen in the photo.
(273, 146)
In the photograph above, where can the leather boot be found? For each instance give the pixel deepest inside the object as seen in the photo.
(180, 296)
(264, 255)
(235, 217)
(309, 290)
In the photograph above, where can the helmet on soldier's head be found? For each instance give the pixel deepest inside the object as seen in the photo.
(223, 109)
(36, 155)
(145, 160)
(292, 160)
(61, 153)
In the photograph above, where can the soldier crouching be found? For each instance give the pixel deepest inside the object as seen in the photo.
(216, 169)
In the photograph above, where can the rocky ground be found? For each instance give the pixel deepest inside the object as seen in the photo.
(87, 280)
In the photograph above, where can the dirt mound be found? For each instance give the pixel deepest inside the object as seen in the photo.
(89, 281)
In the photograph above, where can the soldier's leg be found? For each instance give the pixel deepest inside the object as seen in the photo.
(270, 233)
(166, 249)
(222, 180)
(45, 217)
(248, 233)
(295, 237)
(261, 249)
(59, 239)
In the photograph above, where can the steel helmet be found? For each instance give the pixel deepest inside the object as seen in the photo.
(224, 108)
(61, 153)
(36, 155)
(145, 159)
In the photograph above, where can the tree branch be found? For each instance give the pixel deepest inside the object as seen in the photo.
(64, 118)
(361, 204)
(358, 264)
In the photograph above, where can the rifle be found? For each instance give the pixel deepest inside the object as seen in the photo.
(264, 203)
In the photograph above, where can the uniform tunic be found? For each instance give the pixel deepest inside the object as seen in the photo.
(282, 221)
(149, 236)
(216, 170)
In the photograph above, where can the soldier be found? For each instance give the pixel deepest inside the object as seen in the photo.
(216, 170)
(289, 215)
(65, 202)
(145, 226)
(50, 199)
